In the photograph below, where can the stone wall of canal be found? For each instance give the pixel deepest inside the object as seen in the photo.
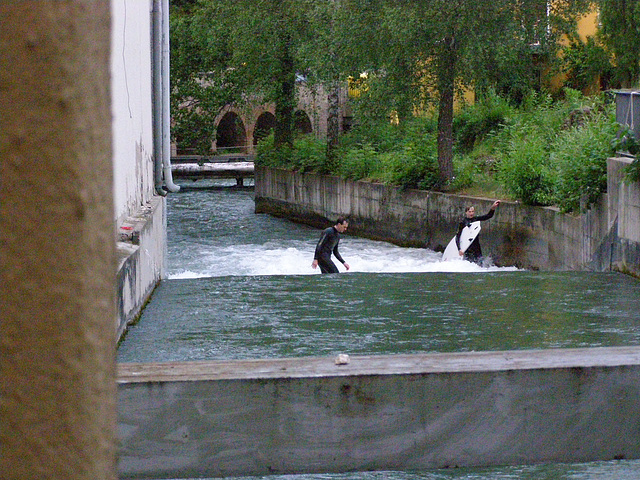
(606, 237)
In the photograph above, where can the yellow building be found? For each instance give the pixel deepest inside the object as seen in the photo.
(587, 27)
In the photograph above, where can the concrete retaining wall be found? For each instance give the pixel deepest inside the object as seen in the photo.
(141, 253)
(305, 415)
(623, 241)
(527, 237)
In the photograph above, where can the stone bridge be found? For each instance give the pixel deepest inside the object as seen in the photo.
(239, 128)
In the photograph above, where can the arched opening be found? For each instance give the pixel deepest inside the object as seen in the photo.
(301, 122)
(264, 126)
(230, 135)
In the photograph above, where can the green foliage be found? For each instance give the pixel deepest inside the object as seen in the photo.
(580, 159)
(526, 172)
(307, 154)
(413, 168)
(524, 167)
(557, 152)
(359, 163)
(626, 141)
(203, 79)
(391, 154)
(620, 32)
(477, 121)
(584, 62)
(476, 171)
(543, 153)
(380, 134)
(633, 171)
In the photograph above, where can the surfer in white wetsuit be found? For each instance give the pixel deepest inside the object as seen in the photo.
(474, 252)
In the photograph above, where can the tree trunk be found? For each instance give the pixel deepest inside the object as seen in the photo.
(333, 118)
(446, 87)
(286, 98)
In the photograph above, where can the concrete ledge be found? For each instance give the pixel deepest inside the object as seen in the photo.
(624, 218)
(307, 415)
(301, 367)
(141, 256)
(195, 171)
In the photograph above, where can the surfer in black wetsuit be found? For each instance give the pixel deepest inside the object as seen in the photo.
(327, 245)
(474, 252)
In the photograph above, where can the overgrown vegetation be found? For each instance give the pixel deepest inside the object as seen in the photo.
(543, 152)
(413, 57)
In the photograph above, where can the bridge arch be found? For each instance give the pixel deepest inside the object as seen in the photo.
(302, 122)
(231, 133)
(265, 123)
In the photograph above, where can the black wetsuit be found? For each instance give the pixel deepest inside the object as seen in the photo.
(474, 252)
(327, 245)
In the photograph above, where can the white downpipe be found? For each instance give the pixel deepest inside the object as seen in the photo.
(161, 112)
(157, 97)
(166, 113)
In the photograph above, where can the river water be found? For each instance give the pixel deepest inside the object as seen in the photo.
(240, 285)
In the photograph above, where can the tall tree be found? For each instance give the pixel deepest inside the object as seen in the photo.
(267, 37)
(234, 52)
(327, 56)
(203, 80)
(620, 32)
(448, 44)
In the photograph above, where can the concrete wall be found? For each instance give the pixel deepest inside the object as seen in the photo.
(306, 415)
(527, 237)
(140, 215)
(623, 242)
(141, 253)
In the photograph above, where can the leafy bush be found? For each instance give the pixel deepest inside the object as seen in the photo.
(580, 158)
(358, 163)
(416, 166)
(526, 172)
(544, 153)
(626, 141)
(477, 121)
(382, 136)
(586, 62)
(310, 154)
(307, 154)
(399, 155)
(633, 171)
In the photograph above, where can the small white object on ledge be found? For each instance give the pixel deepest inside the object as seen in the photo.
(342, 359)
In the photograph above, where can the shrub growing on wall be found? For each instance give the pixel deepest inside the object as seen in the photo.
(359, 162)
(307, 154)
(477, 121)
(526, 171)
(580, 158)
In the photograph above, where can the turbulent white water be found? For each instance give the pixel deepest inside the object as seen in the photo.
(295, 257)
(214, 234)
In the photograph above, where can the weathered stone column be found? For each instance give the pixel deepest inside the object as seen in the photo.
(57, 355)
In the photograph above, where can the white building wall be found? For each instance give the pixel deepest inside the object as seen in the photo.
(140, 214)
(131, 92)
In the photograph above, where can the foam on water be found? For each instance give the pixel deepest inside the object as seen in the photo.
(295, 257)
(216, 234)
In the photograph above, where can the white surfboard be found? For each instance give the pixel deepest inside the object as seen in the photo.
(467, 237)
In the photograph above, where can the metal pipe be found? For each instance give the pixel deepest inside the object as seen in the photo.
(166, 113)
(157, 97)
